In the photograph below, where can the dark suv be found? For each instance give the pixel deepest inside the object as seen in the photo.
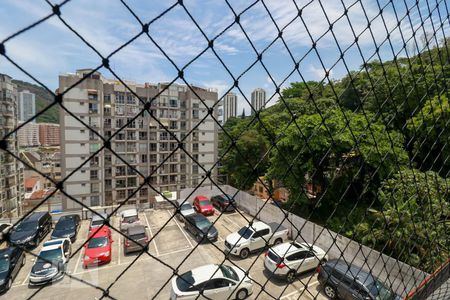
(201, 228)
(348, 282)
(11, 260)
(223, 202)
(31, 230)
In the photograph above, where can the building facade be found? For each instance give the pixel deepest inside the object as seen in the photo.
(11, 169)
(229, 106)
(258, 99)
(148, 143)
(28, 135)
(27, 106)
(49, 134)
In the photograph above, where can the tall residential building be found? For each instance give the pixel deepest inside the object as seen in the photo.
(107, 106)
(11, 170)
(28, 135)
(229, 106)
(49, 134)
(258, 99)
(27, 105)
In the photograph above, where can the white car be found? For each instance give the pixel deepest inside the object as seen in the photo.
(288, 259)
(129, 218)
(217, 282)
(51, 262)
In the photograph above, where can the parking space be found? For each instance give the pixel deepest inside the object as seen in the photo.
(149, 276)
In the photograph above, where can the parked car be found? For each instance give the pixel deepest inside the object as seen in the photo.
(289, 259)
(12, 260)
(97, 221)
(224, 203)
(137, 239)
(201, 228)
(341, 280)
(52, 262)
(129, 218)
(203, 206)
(98, 250)
(31, 230)
(4, 230)
(256, 237)
(186, 209)
(216, 281)
(67, 226)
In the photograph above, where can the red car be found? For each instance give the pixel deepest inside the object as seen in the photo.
(203, 205)
(98, 250)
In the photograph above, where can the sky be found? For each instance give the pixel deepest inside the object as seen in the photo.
(51, 48)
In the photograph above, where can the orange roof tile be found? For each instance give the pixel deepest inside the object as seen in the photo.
(30, 182)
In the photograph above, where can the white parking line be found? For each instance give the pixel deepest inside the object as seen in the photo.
(231, 222)
(118, 245)
(151, 233)
(78, 260)
(295, 294)
(181, 229)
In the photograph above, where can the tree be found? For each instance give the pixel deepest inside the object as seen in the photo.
(429, 129)
(412, 222)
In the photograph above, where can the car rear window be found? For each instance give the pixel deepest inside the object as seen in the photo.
(274, 257)
(185, 281)
(97, 222)
(130, 219)
(138, 236)
(204, 202)
(98, 242)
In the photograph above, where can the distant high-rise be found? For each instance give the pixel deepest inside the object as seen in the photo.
(27, 105)
(258, 99)
(11, 170)
(28, 135)
(229, 106)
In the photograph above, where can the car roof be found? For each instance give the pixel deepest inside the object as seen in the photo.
(197, 217)
(136, 229)
(352, 271)
(52, 244)
(224, 197)
(285, 249)
(201, 197)
(35, 216)
(129, 212)
(258, 225)
(206, 272)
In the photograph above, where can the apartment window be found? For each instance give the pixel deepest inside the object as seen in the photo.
(153, 147)
(82, 144)
(107, 98)
(131, 99)
(81, 103)
(195, 114)
(143, 158)
(121, 194)
(82, 131)
(143, 192)
(131, 135)
(120, 136)
(173, 102)
(163, 147)
(194, 147)
(195, 157)
(120, 98)
(93, 108)
(120, 171)
(94, 187)
(131, 182)
(195, 169)
(108, 183)
(83, 171)
(120, 183)
(142, 135)
(119, 123)
(153, 158)
(83, 184)
(195, 105)
(131, 124)
(183, 125)
(107, 134)
(164, 136)
(152, 136)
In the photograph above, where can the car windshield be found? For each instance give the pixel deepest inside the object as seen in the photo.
(245, 232)
(50, 255)
(185, 281)
(186, 206)
(4, 264)
(380, 291)
(204, 202)
(65, 225)
(98, 242)
(203, 224)
(26, 226)
(228, 272)
(130, 219)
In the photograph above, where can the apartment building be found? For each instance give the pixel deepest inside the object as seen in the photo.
(11, 170)
(27, 105)
(229, 106)
(28, 135)
(258, 99)
(107, 107)
(49, 134)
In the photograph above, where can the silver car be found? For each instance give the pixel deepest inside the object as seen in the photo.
(185, 208)
(129, 218)
(137, 239)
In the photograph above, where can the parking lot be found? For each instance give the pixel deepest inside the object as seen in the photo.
(149, 276)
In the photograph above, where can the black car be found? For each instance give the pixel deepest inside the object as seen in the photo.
(31, 230)
(201, 228)
(341, 280)
(67, 226)
(224, 203)
(11, 260)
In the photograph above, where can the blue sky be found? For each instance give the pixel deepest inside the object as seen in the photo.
(50, 48)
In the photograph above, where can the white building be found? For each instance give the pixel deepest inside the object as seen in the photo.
(229, 106)
(27, 105)
(107, 106)
(28, 135)
(258, 99)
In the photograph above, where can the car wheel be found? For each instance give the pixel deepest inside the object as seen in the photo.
(23, 261)
(291, 276)
(278, 241)
(241, 294)
(330, 291)
(9, 284)
(244, 253)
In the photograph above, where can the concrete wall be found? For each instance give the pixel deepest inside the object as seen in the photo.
(400, 276)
